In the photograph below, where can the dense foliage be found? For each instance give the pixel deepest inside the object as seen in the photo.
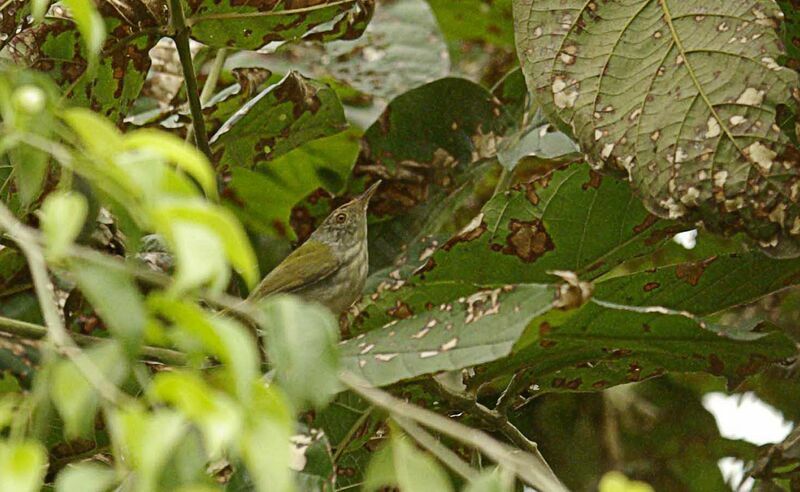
(528, 319)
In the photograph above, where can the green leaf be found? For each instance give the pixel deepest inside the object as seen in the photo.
(265, 445)
(484, 21)
(322, 163)
(214, 412)
(30, 169)
(62, 217)
(633, 329)
(571, 219)
(280, 118)
(790, 30)
(682, 97)
(490, 481)
(183, 219)
(421, 164)
(401, 465)
(116, 299)
(39, 8)
(87, 477)
(97, 133)
(90, 24)
(227, 23)
(22, 466)
(615, 481)
(465, 329)
(183, 155)
(74, 396)
(301, 345)
(147, 440)
(354, 429)
(199, 256)
(463, 124)
(221, 337)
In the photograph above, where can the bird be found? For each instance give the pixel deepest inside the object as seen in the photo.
(331, 267)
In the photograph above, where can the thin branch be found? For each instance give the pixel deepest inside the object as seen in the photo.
(515, 386)
(37, 332)
(213, 76)
(532, 469)
(181, 38)
(209, 85)
(504, 181)
(491, 417)
(442, 452)
(57, 334)
(342, 445)
(236, 305)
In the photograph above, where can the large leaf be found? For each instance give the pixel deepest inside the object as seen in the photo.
(481, 327)
(496, 273)
(682, 96)
(640, 329)
(401, 33)
(280, 118)
(251, 25)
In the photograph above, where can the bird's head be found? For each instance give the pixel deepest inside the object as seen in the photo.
(347, 225)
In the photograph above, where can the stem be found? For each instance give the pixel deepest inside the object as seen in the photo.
(493, 418)
(33, 331)
(210, 84)
(181, 38)
(213, 76)
(503, 181)
(350, 434)
(57, 334)
(507, 397)
(530, 468)
(445, 455)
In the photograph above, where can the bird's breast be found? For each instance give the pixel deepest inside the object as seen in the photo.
(344, 286)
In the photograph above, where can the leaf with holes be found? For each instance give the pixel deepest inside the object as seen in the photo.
(680, 95)
(55, 47)
(280, 118)
(572, 219)
(638, 326)
(465, 331)
(403, 33)
(251, 25)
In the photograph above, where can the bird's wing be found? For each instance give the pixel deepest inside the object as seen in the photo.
(310, 263)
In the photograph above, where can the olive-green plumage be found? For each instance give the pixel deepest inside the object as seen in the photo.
(331, 266)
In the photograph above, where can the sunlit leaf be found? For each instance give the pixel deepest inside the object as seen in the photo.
(117, 300)
(75, 397)
(22, 466)
(301, 345)
(400, 464)
(183, 155)
(62, 218)
(90, 23)
(215, 413)
(87, 477)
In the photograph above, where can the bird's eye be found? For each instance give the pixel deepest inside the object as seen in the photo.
(340, 218)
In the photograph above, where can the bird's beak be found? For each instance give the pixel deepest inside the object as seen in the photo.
(365, 197)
